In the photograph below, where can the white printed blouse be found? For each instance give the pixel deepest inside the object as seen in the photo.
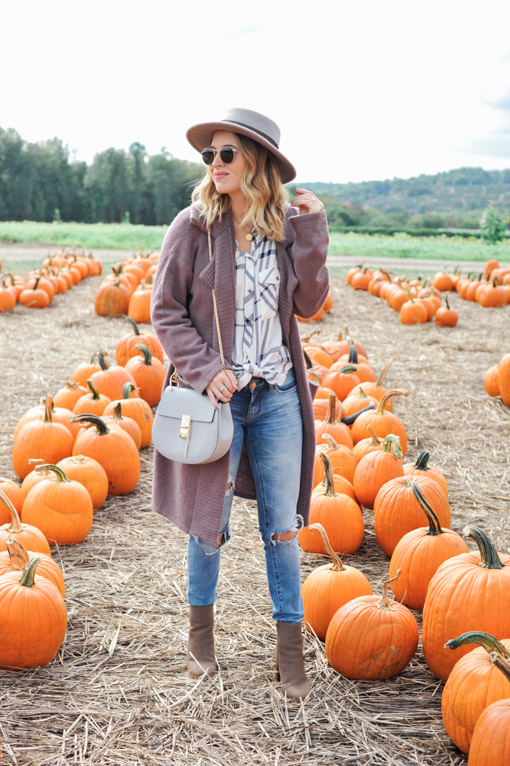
(258, 348)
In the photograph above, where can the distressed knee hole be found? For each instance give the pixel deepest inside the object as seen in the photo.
(285, 537)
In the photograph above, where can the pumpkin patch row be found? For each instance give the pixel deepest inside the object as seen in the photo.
(431, 567)
(56, 275)
(128, 289)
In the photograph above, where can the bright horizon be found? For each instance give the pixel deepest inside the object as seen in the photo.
(360, 93)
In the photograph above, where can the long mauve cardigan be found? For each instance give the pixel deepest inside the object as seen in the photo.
(192, 496)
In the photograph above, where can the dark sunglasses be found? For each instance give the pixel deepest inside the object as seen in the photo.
(227, 155)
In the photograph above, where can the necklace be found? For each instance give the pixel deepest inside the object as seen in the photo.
(248, 237)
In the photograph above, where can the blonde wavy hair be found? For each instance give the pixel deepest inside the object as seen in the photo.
(261, 185)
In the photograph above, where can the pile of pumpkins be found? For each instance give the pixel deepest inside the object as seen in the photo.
(89, 433)
(416, 301)
(497, 379)
(128, 289)
(419, 301)
(70, 452)
(56, 275)
(359, 463)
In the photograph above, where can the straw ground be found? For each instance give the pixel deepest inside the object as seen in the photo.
(118, 693)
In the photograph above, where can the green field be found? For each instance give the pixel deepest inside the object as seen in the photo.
(125, 236)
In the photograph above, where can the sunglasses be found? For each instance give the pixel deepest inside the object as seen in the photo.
(227, 155)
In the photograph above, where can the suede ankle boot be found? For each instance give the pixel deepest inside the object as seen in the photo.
(290, 669)
(201, 659)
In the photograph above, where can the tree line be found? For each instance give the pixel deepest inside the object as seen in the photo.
(39, 182)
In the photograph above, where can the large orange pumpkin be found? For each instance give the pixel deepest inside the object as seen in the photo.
(419, 553)
(467, 591)
(375, 469)
(473, 684)
(34, 618)
(371, 638)
(61, 508)
(490, 744)
(16, 557)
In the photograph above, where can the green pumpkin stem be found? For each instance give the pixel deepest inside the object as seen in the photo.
(127, 388)
(328, 475)
(95, 393)
(28, 576)
(100, 425)
(48, 467)
(488, 554)
(353, 354)
(337, 561)
(349, 419)
(489, 643)
(391, 444)
(147, 356)
(136, 330)
(422, 461)
(434, 524)
(348, 368)
(102, 361)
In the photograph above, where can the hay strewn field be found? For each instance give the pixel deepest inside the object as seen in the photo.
(118, 693)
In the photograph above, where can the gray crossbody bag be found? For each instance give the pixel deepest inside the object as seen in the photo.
(187, 428)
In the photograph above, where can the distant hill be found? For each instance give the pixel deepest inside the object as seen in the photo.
(454, 191)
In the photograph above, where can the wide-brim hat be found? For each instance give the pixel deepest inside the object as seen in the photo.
(248, 123)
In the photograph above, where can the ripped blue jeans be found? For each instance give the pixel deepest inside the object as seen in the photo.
(268, 417)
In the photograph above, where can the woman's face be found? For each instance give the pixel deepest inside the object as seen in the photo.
(227, 178)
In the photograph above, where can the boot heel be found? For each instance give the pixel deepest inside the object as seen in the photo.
(289, 666)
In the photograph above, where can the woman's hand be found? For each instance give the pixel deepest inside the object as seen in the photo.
(221, 387)
(306, 202)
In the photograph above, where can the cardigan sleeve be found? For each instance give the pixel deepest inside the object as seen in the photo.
(196, 361)
(308, 253)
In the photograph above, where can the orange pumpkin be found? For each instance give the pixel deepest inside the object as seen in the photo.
(371, 638)
(31, 537)
(375, 469)
(465, 591)
(88, 472)
(16, 557)
(329, 587)
(61, 508)
(490, 744)
(34, 618)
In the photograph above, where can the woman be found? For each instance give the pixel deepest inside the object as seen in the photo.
(268, 265)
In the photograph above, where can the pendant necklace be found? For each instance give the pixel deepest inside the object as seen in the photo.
(248, 237)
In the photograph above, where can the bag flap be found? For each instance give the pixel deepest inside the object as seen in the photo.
(177, 402)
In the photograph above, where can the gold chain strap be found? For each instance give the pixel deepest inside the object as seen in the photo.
(216, 307)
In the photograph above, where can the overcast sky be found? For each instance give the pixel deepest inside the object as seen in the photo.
(361, 90)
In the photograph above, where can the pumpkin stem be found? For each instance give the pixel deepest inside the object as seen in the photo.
(337, 561)
(28, 576)
(101, 426)
(330, 414)
(353, 354)
(375, 439)
(384, 399)
(385, 602)
(95, 393)
(349, 419)
(308, 361)
(136, 330)
(391, 443)
(446, 301)
(147, 356)
(328, 475)
(489, 643)
(330, 441)
(48, 409)
(102, 361)
(501, 663)
(434, 524)
(348, 368)
(48, 467)
(314, 375)
(127, 388)
(15, 519)
(18, 555)
(488, 554)
(340, 336)
(422, 461)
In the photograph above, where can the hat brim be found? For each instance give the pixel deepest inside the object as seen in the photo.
(200, 136)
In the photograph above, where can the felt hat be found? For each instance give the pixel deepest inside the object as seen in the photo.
(248, 123)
